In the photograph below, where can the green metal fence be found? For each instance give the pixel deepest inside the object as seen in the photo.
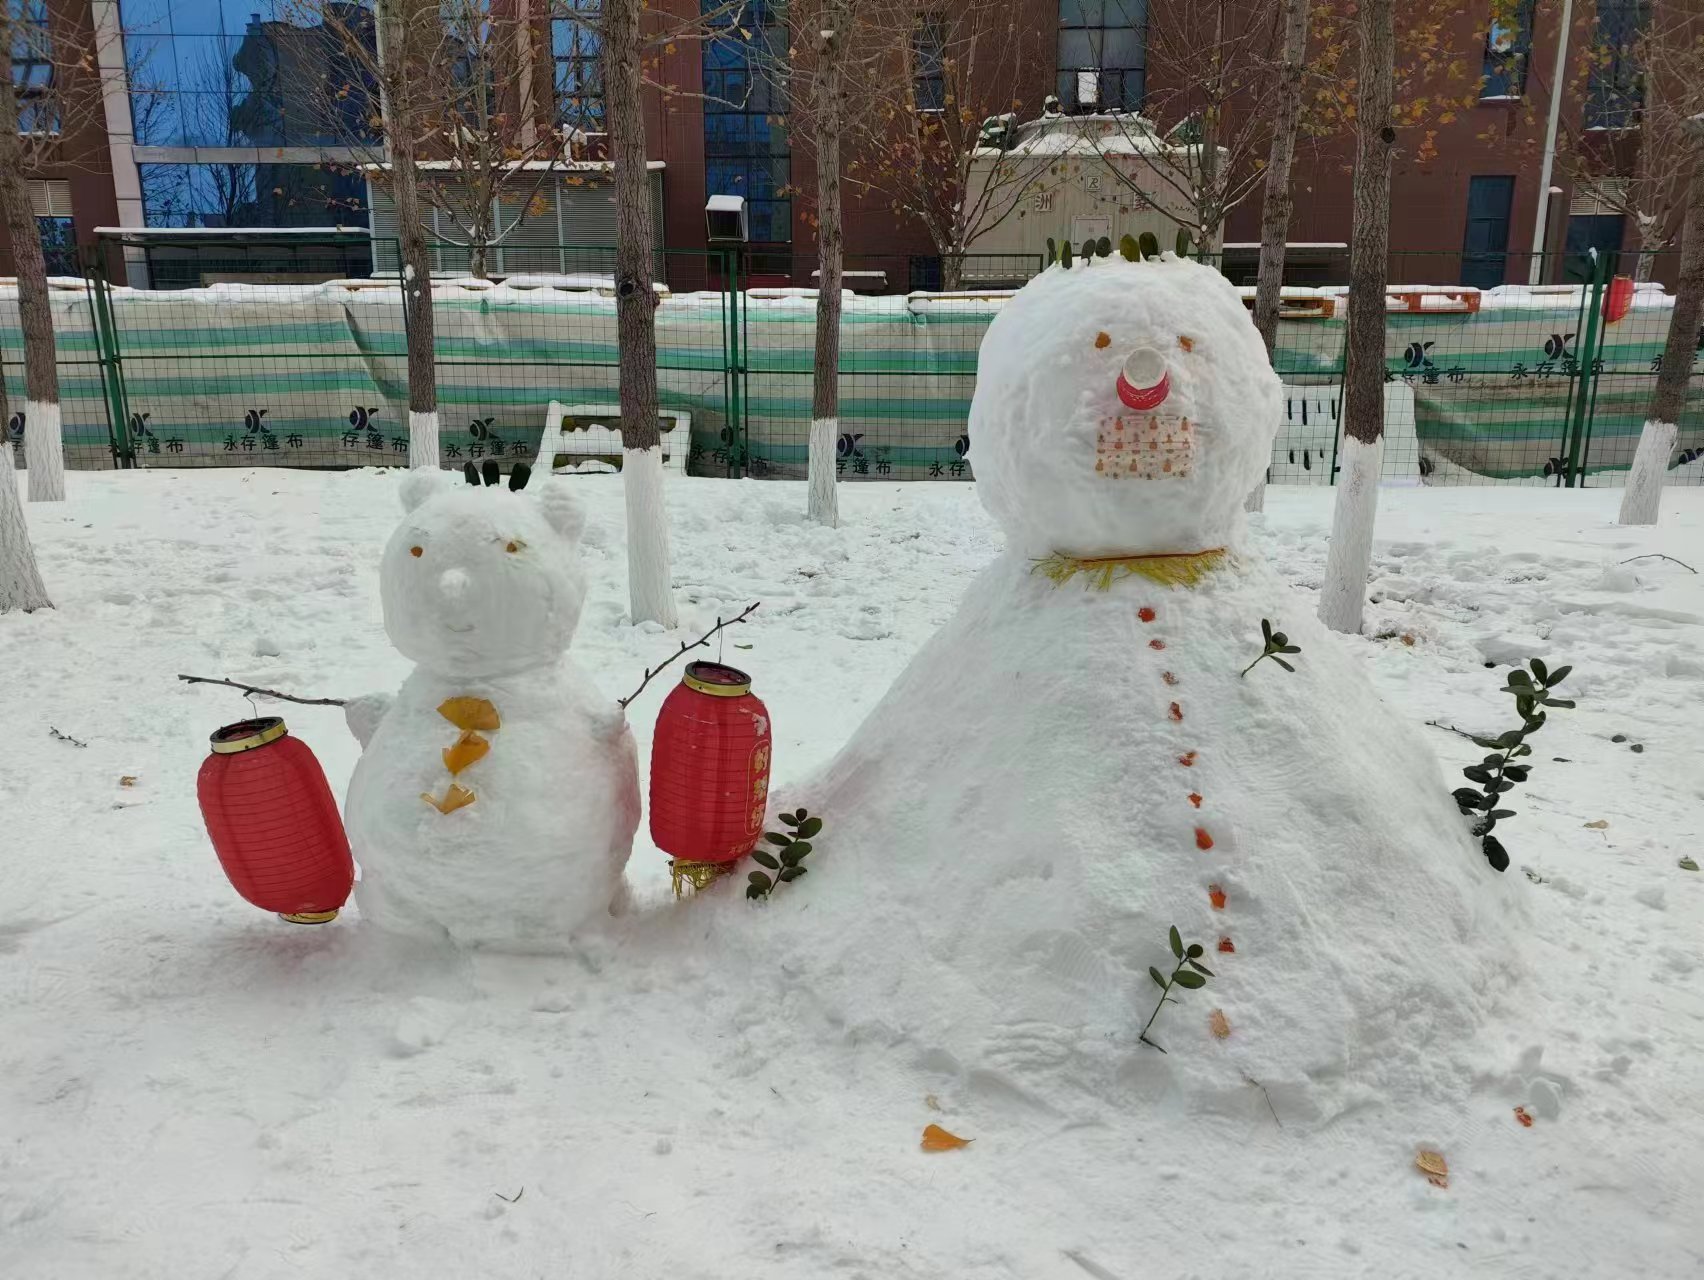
(1545, 386)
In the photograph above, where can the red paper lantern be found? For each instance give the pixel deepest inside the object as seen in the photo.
(274, 823)
(710, 767)
(1618, 299)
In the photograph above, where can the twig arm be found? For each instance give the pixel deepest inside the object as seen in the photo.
(702, 642)
(264, 693)
(1657, 555)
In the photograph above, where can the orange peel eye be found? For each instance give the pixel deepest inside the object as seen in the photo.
(417, 552)
(515, 544)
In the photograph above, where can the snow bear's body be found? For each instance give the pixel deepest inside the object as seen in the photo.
(497, 793)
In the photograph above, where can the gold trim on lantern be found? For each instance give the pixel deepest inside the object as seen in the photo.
(718, 690)
(307, 917)
(697, 874)
(268, 729)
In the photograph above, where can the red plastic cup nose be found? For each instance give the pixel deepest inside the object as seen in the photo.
(1144, 381)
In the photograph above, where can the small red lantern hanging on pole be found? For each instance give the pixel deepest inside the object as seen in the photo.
(709, 773)
(274, 823)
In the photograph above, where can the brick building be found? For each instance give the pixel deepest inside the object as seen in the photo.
(205, 127)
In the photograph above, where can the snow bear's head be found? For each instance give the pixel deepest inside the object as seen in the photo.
(481, 581)
(1122, 408)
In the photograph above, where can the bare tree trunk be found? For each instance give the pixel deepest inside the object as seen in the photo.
(1350, 552)
(44, 446)
(1277, 203)
(1642, 499)
(476, 255)
(394, 25)
(20, 581)
(1650, 240)
(952, 271)
(650, 591)
(823, 503)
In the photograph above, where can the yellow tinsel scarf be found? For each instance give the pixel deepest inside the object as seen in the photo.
(1180, 569)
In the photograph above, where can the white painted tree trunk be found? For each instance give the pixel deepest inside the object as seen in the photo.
(650, 593)
(422, 438)
(1351, 549)
(20, 581)
(1643, 496)
(822, 503)
(44, 451)
(648, 579)
(1349, 555)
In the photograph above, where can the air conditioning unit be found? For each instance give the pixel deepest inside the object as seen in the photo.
(725, 219)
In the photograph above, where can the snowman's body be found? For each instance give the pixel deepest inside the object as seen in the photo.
(497, 795)
(1074, 763)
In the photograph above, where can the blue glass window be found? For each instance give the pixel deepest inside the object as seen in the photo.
(1613, 93)
(746, 151)
(58, 246)
(32, 67)
(1485, 245)
(1508, 49)
(929, 57)
(577, 50)
(1103, 48)
(252, 195)
(246, 73)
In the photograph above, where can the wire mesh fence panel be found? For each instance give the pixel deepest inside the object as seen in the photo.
(84, 412)
(1513, 385)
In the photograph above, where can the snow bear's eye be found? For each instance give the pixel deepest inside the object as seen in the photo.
(515, 544)
(417, 552)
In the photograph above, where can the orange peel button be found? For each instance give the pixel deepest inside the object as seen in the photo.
(1218, 1024)
(457, 797)
(936, 1138)
(1203, 841)
(1216, 896)
(470, 713)
(469, 749)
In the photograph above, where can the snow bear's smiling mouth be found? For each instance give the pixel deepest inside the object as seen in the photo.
(460, 631)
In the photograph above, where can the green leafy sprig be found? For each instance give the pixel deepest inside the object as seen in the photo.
(1498, 773)
(1276, 643)
(1190, 974)
(787, 862)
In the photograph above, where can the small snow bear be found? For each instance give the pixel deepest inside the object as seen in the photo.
(497, 793)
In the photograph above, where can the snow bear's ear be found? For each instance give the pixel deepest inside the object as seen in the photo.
(562, 511)
(420, 485)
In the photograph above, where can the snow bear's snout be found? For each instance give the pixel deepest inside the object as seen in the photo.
(453, 585)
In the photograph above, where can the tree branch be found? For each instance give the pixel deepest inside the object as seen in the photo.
(267, 693)
(702, 642)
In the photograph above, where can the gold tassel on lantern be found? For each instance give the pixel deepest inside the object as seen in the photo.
(696, 874)
(1182, 569)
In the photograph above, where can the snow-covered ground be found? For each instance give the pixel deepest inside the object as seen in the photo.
(189, 1088)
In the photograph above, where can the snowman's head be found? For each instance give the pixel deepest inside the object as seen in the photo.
(1122, 408)
(479, 581)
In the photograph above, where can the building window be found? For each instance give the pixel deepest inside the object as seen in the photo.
(1485, 247)
(1613, 92)
(252, 195)
(579, 76)
(746, 152)
(246, 73)
(1588, 231)
(1508, 49)
(58, 245)
(928, 61)
(32, 67)
(1102, 54)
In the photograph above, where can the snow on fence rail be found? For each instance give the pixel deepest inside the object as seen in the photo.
(313, 375)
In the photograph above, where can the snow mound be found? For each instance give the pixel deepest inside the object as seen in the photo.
(1062, 774)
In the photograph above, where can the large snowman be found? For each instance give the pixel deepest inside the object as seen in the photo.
(497, 793)
(1076, 762)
